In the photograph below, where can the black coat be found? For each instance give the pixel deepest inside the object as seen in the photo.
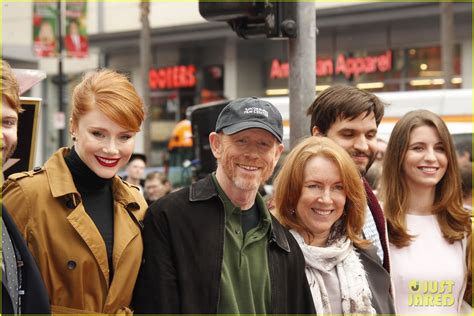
(379, 281)
(184, 242)
(35, 300)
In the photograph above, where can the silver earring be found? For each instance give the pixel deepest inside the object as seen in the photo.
(292, 212)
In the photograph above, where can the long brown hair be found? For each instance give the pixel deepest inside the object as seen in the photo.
(452, 218)
(290, 179)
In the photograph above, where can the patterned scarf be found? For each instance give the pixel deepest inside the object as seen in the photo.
(355, 292)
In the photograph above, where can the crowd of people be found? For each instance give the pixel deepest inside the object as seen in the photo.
(152, 185)
(77, 238)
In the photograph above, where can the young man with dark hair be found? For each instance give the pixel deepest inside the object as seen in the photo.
(350, 117)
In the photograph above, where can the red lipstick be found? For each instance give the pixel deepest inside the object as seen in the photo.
(107, 162)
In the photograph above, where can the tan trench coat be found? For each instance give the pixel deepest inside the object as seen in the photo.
(66, 244)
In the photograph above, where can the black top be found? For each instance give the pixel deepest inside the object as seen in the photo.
(250, 218)
(96, 195)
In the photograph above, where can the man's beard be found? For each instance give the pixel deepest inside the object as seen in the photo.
(369, 164)
(246, 185)
(241, 182)
(8, 153)
(371, 159)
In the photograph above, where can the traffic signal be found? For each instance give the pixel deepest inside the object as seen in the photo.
(280, 19)
(227, 10)
(253, 18)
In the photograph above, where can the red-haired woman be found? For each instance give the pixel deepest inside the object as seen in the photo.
(80, 220)
(320, 197)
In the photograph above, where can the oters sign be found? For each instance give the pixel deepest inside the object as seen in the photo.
(172, 77)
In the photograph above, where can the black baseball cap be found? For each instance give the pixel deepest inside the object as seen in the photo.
(242, 114)
(137, 156)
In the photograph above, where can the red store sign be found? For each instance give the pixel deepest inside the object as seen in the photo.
(349, 66)
(174, 77)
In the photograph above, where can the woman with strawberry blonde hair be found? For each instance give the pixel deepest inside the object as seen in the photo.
(81, 221)
(320, 197)
(428, 227)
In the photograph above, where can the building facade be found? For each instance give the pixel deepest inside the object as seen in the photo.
(375, 46)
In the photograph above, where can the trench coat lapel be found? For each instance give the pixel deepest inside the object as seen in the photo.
(126, 227)
(125, 230)
(62, 187)
(86, 228)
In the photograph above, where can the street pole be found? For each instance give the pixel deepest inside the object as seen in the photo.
(61, 130)
(447, 45)
(302, 81)
(145, 64)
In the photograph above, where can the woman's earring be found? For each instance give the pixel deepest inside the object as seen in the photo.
(292, 212)
(74, 138)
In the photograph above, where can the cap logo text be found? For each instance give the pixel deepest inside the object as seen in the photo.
(254, 110)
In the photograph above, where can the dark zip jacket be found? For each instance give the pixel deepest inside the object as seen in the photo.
(183, 254)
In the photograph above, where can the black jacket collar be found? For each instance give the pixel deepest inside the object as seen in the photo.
(205, 189)
(277, 235)
(202, 190)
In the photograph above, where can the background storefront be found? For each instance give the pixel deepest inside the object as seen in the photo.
(375, 46)
(401, 69)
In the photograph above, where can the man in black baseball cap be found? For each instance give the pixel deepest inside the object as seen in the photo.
(214, 247)
(243, 114)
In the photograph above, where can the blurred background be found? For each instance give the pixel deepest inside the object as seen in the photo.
(177, 59)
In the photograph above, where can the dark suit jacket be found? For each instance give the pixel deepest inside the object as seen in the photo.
(379, 281)
(35, 300)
